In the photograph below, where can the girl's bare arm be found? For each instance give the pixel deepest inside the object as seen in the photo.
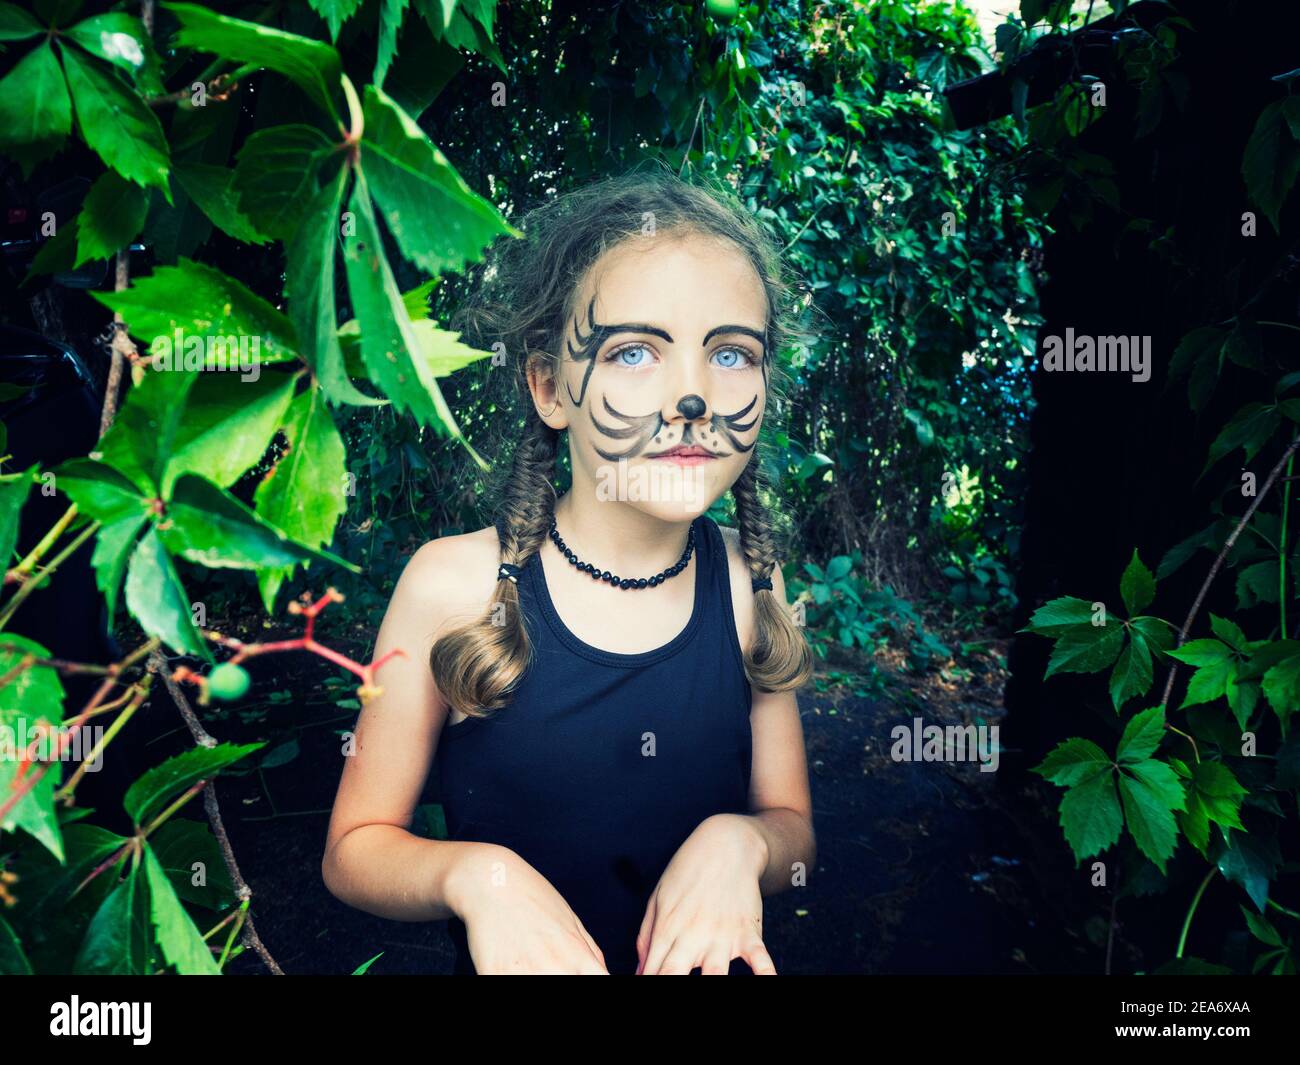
(372, 861)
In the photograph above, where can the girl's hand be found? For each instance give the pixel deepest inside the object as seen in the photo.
(707, 907)
(516, 922)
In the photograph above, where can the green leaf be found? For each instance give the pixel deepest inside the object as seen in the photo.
(212, 527)
(275, 178)
(1281, 688)
(13, 494)
(1229, 632)
(210, 187)
(335, 13)
(1059, 616)
(1133, 671)
(119, 939)
(17, 25)
(361, 969)
(1250, 429)
(313, 66)
(180, 844)
(228, 426)
(111, 217)
(121, 39)
(1151, 792)
(309, 286)
(1074, 762)
(390, 21)
(1257, 584)
(389, 348)
(35, 694)
(157, 600)
(140, 440)
(438, 221)
(35, 110)
(180, 941)
(1251, 861)
(1272, 160)
(203, 303)
(154, 789)
(303, 494)
(1213, 795)
(1086, 649)
(1210, 682)
(117, 125)
(1202, 653)
(1090, 816)
(1138, 586)
(1142, 735)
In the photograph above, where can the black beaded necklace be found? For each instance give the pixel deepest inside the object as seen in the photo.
(598, 574)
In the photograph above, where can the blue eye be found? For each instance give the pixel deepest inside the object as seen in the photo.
(638, 349)
(736, 357)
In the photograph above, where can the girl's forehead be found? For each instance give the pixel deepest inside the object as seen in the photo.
(681, 277)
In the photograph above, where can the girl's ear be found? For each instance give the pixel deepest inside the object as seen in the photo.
(543, 383)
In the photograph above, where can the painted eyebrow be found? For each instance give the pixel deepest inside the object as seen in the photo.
(635, 327)
(744, 330)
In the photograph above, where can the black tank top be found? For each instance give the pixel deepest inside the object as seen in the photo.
(602, 764)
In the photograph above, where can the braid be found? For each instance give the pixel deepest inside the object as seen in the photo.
(779, 659)
(477, 665)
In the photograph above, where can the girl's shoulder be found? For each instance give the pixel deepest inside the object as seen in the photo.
(454, 576)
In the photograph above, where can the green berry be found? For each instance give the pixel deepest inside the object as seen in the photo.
(228, 681)
(723, 10)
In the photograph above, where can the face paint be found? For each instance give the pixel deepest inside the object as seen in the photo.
(641, 430)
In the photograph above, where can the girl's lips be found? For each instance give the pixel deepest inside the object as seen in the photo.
(684, 459)
(686, 456)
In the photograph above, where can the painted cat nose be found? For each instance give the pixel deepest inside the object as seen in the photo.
(691, 406)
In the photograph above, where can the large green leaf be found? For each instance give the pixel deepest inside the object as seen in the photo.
(1073, 762)
(121, 39)
(140, 441)
(313, 66)
(1133, 671)
(1086, 649)
(156, 598)
(35, 694)
(180, 844)
(275, 177)
(156, 787)
(212, 189)
(35, 111)
(202, 302)
(1090, 816)
(438, 221)
(303, 494)
(1059, 616)
(180, 941)
(1142, 735)
(119, 940)
(1272, 158)
(111, 217)
(118, 126)
(309, 286)
(1138, 586)
(389, 347)
(1151, 793)
(212, 527)
(228, 426)
(17, 25)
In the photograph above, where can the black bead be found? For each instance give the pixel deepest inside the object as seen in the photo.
(605, 575)
(625, 583)
(641, 582)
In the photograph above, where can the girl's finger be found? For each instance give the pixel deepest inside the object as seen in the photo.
(759, 960)
(661, 944)
(646, 932)
(680, 959)
(716, 962)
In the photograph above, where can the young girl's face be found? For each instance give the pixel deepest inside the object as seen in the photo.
(662, 381)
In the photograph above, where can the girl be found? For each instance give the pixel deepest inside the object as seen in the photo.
(606, 680)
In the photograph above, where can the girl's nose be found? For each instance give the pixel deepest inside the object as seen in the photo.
(691, 406)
